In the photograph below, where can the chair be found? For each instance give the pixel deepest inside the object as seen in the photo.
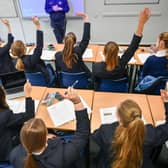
(5, 165)
(154, 88)
(108, 85)
(67, 79)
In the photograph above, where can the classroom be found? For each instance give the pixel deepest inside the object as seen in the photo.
(84, 84)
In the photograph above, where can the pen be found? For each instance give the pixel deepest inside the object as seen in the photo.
(72, 86)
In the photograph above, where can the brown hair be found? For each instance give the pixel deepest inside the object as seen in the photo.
(33, 137)
(18, 49)
(3, 104)
(111, 55)
(129, 137)
(68, 55)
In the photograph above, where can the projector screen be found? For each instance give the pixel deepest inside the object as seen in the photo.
(31, 8)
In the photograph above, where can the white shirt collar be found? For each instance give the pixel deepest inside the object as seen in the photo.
(161, 53)
(39, 153)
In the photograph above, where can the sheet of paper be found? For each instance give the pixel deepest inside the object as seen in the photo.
(143, 57)
(160, 122)
(48, 55)
(18, 106)
(88, 53)
(132, 61)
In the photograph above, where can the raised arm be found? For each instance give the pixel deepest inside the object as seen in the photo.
(6, 47)
(80, 139)
(143, 18)
(35, 57)
(86, 33)
(19, 119)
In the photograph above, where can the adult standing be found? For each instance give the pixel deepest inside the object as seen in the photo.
(57, 10)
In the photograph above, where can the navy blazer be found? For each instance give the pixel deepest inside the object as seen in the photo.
(154, 137)
(79, 65)
(33, 63)
(10, 125)
(6, 62)
(99, 69)
(59, 154)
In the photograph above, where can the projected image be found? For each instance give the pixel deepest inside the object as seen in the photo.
(31, 8)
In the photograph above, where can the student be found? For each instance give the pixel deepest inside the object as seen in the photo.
(10, 123)
(6, 62)
(53, 152)
(57, 10)
(129, 143)
(70, 59)
(157, 64)
(30, 63)
(113, 67)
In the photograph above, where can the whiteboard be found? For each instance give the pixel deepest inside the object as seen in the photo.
(7, 8)
(129, 2)
(31, 8)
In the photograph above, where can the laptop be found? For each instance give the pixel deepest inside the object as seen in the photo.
(13, 84)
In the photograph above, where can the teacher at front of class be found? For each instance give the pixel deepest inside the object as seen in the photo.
(57, 10)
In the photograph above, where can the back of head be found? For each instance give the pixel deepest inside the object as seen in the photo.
(129, 137)
(33, 137)
(18, 49)
(3, 104)
(111, 55)
(68, 55)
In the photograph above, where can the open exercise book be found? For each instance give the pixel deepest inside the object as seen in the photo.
(143, 57)
(63, 112)
(18, 106)
(88, 53)
(109, 115)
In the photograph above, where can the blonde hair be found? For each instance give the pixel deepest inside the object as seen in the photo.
(68, 55)
(129, 137)
(33, 137)
(18, 50)
(111, 55)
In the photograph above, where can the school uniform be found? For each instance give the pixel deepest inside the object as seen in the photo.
(59, 154)
(58, 18)
(10, 125)
(33, 63)
(6, 62)
(78, 65)
(99, 69)
(154, 137)
(156, 65)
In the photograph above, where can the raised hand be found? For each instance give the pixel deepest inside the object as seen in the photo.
(7, 24)
(27, 89)
(36, 22)
(144, 15)
(83, 15)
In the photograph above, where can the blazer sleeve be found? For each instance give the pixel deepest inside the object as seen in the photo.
(80, 139)
(85, 40)
(35, 57)
(48, 7)
(6, 48)
(19, 119)
(161, 131)
(130, 50)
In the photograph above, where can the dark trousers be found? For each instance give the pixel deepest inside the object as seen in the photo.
(58, 23)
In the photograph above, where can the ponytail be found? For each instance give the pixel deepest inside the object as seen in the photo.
(68, 55)
(30, 162)
(129, 138)
(20, 65)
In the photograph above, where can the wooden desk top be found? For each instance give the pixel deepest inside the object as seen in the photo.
(157, 108)
(104, 100)
(42, 113)
(59, 47)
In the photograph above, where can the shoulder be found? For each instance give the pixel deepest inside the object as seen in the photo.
(4, 115)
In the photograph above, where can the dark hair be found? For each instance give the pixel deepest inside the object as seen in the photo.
(68, 55)
(33, 137)
(3, 104)
(111, 55)
(18, 50)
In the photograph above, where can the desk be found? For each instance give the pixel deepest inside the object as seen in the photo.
(59, 47)
(157, 108)
(104, 100)
(42, 113)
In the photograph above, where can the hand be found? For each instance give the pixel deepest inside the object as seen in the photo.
(27, 89)
(144, 15)
(83, 15)
(51, 136)
(164, 95)
(36, 22)
(56, 8)
(72, 96)
(7, 24)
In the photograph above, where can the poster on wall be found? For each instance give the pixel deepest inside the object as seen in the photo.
(130, 2)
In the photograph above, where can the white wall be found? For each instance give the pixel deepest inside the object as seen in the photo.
(114, 22)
